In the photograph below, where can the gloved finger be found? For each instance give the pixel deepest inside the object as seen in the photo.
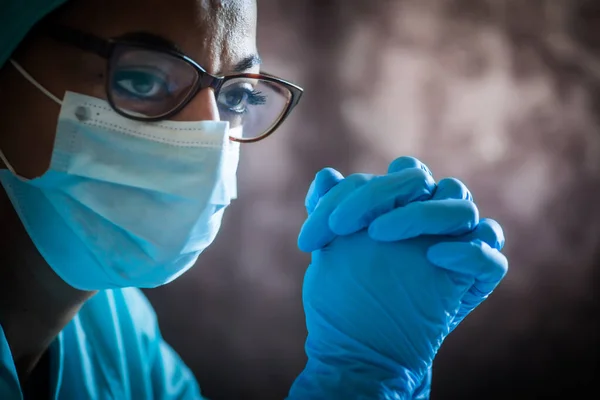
(379, 196)
(315, 232)
(451, 188)
(475, 258)
(406, 162)
(488, 231)
(432, 217)
(324, 180)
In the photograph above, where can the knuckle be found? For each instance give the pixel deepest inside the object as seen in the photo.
(415, 176)
(493, 225)
(499, 268)
(407, 162)
(403, 162)
(323, 173)
(492, 260)
(357, 179)
(347, 186)
(456, 186)
(470, 210)
(492, 229)
(412, 184)
(453, 182)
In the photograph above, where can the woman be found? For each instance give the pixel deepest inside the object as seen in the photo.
(120, 133)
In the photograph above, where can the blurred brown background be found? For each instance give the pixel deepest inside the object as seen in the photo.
(505, 95)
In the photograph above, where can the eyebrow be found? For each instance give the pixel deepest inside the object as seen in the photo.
(247, 63)
(152, 39)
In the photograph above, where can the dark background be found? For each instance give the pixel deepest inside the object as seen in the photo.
(505, 95)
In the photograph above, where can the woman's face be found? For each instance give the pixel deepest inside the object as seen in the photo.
(220, 35)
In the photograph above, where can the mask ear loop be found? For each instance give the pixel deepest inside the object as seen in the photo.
(34, 82)
(7, 164)
(42, 89)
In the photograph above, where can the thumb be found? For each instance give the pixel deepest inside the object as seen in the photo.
(324, 180)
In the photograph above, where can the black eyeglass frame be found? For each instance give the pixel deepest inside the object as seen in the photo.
(105, 48)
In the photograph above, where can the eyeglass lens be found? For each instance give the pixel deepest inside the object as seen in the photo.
(149, 83)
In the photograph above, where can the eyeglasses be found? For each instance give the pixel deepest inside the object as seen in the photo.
(152, 82)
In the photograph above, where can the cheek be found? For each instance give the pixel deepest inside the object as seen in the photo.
(84, 74)
(29, 117)
(91, 79)
(28, 125)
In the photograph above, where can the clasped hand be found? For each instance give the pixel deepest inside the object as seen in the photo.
(397, 262)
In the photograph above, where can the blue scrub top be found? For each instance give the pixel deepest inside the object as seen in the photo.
(112, 349)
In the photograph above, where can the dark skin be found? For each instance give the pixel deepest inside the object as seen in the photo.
(35, 304)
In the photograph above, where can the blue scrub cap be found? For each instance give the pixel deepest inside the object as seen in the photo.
(17, 17)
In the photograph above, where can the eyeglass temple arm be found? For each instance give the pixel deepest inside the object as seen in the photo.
(81, 40)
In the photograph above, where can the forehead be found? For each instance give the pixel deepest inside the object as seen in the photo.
(216, 33)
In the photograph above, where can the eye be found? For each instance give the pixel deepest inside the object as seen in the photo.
(140, 83)
(236, 99)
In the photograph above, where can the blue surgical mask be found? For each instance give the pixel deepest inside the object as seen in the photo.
(125, 203)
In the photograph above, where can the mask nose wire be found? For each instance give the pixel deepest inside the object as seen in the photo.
(35, 83)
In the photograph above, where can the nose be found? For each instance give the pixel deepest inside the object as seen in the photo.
(203, 107)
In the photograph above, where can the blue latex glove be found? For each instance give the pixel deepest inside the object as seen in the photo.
(364, 201)
(378, 312)
(372, 200)
(385, 205)
(394, 205)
